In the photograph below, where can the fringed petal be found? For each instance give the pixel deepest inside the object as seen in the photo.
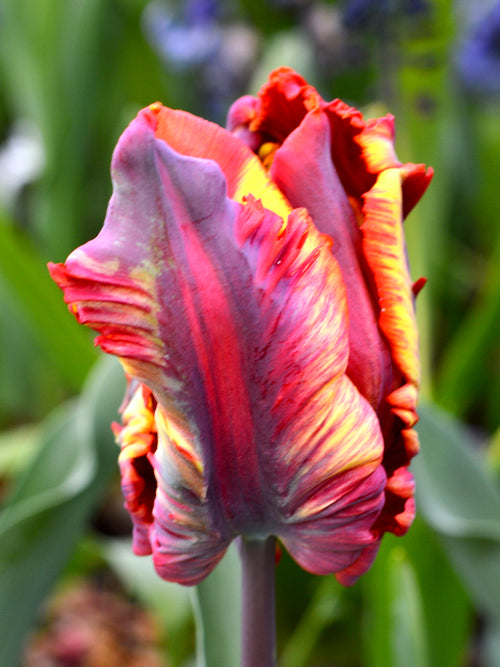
(358, 192)
(138, 441)
(284, 101)
(385, 253)
(321, 441)
(415, 181)
(362, 150)
(322, 438)
(333, 484)
(383, 245)
(277, 366)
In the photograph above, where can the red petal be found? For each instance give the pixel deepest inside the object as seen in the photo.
(416, 179)
(359, 150)
(349, 575)
(304, 171)
(379, 291)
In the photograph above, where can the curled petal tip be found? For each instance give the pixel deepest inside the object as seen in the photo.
(418, 285)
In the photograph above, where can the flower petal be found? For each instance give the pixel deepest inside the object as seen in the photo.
(324, 438)
(279, 108)
(385, 252)
(243, 171)
(384, 249)
(359, 149)
(236, 319)
(303, 169)
(377, 143)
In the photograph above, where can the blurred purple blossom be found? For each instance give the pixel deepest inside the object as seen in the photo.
(478, 58)
(183, 39)
(369, 13)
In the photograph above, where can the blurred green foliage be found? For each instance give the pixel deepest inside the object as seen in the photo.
(75, 73)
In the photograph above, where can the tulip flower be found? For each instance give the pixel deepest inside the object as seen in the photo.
(253, 282)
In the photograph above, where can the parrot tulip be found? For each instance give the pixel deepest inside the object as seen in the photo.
(253, 282)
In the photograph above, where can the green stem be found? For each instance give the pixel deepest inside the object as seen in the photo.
(258, 603)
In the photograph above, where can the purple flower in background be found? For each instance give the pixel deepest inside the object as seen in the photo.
(184, 39)
(369, 13)
(478, 60)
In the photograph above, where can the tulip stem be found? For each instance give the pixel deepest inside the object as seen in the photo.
(258, 603)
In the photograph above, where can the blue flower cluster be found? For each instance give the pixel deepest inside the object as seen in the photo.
(478, 59)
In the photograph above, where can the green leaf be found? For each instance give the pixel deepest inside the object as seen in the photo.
(17, 447)
(409, 643)
(324, 608)
(40, 303)
(461, 501)
(426, 123)
(464, 364)
(395, 628)
(467, 379)
(217, 608)
(446, 605)
(48, 510)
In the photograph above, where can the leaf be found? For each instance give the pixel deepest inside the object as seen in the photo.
(446, 605)
(217, 607)
(467, 378)
(409, 641)
(395, 628)
(462, 503)
(48, 510)
(40, 304)
(324, 608)
(17, 446)
(464, 364)
(430, 111)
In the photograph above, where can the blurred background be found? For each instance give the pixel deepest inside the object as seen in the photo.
(72, 75)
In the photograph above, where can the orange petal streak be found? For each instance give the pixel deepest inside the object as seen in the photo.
(384, 249)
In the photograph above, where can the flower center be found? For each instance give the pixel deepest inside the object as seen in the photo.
(266, 153)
